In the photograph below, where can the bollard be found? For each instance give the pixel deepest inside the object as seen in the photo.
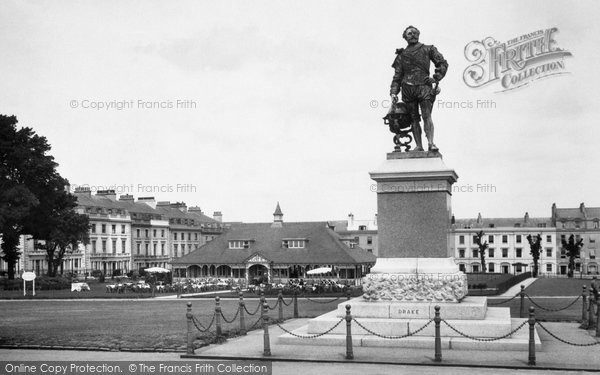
(597, 319)
(242, 322)
(218, 318)
(522, 293)
(531, 336)
(348, 294)
(267, 343)
(438, 339)
(295, 303)
(280, 303)
(190, 336)
(591, 322)
(583, 295)
(349, 353)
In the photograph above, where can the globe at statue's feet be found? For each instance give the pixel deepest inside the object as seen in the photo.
(433, 147)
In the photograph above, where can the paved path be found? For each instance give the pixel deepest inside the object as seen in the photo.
(517, 288)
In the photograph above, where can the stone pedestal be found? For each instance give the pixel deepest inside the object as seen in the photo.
(413, 205)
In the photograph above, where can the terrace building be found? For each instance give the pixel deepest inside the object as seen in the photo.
(361, 233)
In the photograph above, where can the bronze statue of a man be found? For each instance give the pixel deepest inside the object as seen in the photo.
(412, 77)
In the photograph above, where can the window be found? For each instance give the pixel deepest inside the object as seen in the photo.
(362, 227)
(137, 232)
(154, 249)
(491, 267)
(93, 228)
(518, 238)
(138, 248)
(596, 225)
(563, 253)
(461, 253)
(103, 246)
(492, 225)
(548, 267)
(578, 267)
(103, 228)
(370, 251)
(122, 228)
(300, 244)
(490, 239)
(504, 238)
(474, 238)
(461, 240)
(517, 225)
(491, 252)
(577, 226)
(175, 236)
(541, 225)
(147, 247)
(519, 252)
(113, 229)
(175, 250)
(548, 239)
(196, 236)
(475, 253)
(475, 267)
(369, 240)
(162, 233)
(123, 246)
(146, 232)
(549, 253)
(154, 233)
(518, 268)
(592, 254)
(94, 246)
(504, 253)
(114, 246)
(239, 244)
(461, 267)
(189, 236)
(162, 248)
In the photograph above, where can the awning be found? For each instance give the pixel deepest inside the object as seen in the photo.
(319, 271)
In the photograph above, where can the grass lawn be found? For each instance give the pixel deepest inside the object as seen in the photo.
(557, 287)
(121, 324)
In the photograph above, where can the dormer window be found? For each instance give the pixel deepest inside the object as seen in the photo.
(239, 244)
(362, 227)
(294, 244)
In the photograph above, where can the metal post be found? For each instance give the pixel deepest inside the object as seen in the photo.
(597, 319)
(218, 318)
(241, 307)
(295, 303)
(531, 336)
(438, 338)
(591, 321)
(280, 302)
(190, 336)
(348, 294)
(349, 353)
(522, 293)
(583, 295)
(267, 343)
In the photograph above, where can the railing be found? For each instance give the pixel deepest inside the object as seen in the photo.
(591, 320)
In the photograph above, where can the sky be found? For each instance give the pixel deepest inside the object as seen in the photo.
(234, 106)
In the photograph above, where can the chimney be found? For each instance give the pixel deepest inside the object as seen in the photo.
(553, 213)
(582, 209)
(82, 192)
(453, 220)
(526, 218)
(218, 216)
(181, 206)
(277, 217)
(148, 200)
(350, 220)
(110, 194)
(375, 221)
(479, 218)
(126, 198)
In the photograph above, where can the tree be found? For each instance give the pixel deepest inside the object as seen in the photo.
(535, 249)
(573, 249)
(25, 171)
(62, 234)
(482, 247)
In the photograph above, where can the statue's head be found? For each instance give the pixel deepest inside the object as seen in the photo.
(411, 34)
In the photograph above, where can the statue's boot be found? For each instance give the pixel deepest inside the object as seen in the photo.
(433, 147)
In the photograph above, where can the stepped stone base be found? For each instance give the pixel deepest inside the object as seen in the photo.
(471, 317)
(468, 308)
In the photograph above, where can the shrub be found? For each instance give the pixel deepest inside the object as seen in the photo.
(52, 283)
